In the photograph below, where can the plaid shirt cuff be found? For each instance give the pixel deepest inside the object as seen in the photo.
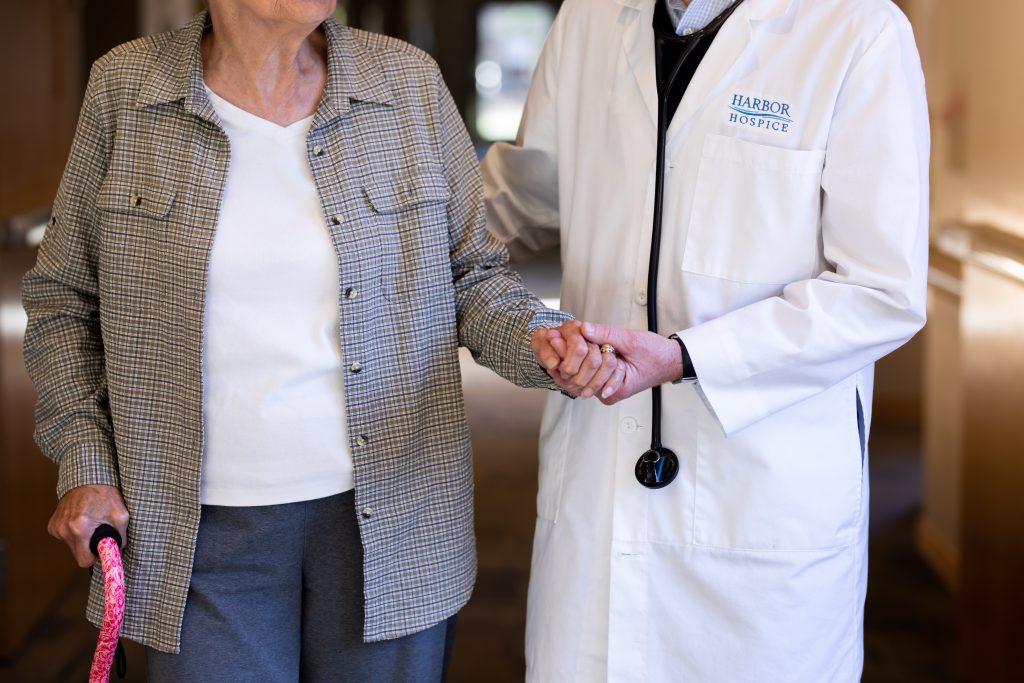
(532, 374)
(84, 466)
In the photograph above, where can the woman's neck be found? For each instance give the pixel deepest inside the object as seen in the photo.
(274, 71)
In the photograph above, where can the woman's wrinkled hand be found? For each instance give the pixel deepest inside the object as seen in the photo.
(80, 511)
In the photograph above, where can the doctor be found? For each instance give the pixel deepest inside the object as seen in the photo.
(792, 256)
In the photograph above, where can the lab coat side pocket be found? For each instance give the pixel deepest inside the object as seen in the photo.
(555, 428)
(789, 482)
(756, 213)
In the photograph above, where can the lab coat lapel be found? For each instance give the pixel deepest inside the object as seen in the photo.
(733, 54)
(638, 45)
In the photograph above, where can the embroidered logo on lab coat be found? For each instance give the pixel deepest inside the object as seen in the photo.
(760, 113)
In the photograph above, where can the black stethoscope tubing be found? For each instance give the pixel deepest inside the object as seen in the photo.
(658, 466)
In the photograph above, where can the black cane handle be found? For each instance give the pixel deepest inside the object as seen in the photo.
(103, 531)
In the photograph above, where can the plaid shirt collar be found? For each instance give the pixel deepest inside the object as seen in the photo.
(353, 73)
(696, 15)
(771, 15)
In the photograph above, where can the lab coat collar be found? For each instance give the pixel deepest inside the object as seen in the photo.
(775, 16)
(732, 55)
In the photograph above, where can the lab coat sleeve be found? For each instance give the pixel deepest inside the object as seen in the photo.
(63, 342)
(495, 313)
(762, 358)
(521, 180)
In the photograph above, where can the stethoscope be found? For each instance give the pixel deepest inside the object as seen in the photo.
(658, 466)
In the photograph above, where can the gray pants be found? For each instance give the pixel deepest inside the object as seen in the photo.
(277, 595)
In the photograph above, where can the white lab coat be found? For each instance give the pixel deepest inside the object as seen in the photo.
(792, 259)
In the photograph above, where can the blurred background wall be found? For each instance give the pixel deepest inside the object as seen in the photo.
(970, 529)
(951, 399)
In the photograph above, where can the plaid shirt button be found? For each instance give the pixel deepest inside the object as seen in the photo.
(361, 440)
(366, 512)
(336, 219)
(356, 367)
(351, 293)
(318, 150)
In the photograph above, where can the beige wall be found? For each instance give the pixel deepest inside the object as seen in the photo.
(973, 56)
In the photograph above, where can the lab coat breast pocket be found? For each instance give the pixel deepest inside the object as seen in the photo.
(755, 214)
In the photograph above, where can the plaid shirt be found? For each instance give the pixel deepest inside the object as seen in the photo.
(115, 305)
(696, 15)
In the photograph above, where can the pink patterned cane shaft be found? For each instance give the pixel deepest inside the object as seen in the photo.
(113, 610)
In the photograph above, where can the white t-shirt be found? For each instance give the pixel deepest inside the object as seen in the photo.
(273, 399)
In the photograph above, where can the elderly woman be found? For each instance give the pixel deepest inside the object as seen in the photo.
(243, 325)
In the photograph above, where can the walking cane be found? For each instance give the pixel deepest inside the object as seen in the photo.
(106, 545)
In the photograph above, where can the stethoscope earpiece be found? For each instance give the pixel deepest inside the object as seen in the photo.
(657, 468)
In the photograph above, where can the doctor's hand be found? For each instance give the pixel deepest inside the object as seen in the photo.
(646, 358)
(80, 511)
(577, 366)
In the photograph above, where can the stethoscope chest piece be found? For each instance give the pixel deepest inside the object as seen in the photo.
(657, 468)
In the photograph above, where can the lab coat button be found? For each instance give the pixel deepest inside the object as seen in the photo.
(629, 425)
(366, 512)
(641, 298)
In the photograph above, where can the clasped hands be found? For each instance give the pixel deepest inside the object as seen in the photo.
(572, 356)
